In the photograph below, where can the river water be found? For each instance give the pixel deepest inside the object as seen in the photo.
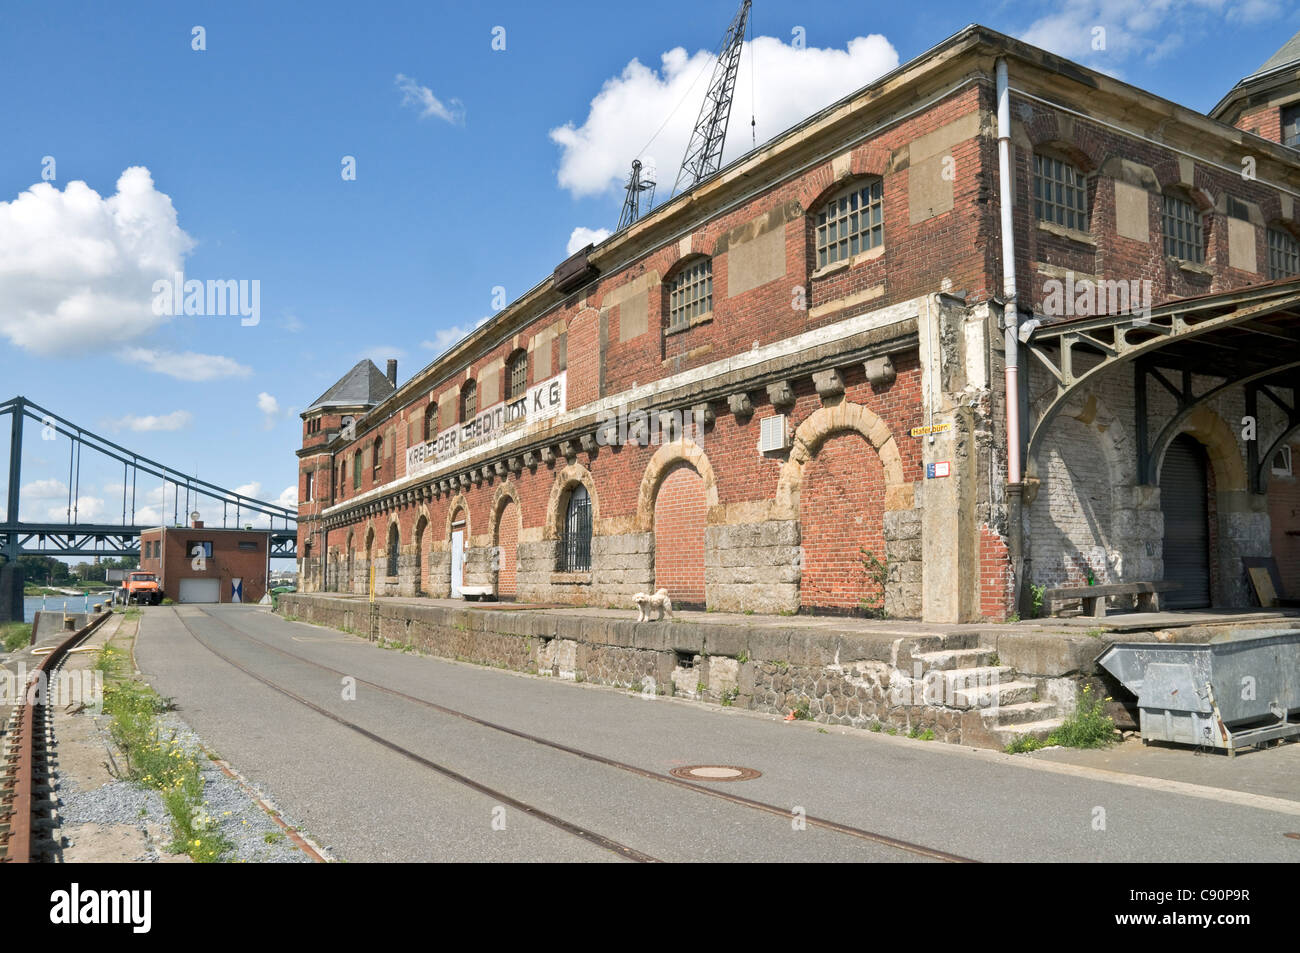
(34, 604)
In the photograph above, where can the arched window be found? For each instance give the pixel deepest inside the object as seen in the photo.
(430, 421)
(517, 375)
(851, 222)
(575, 544)
(356, 470)
(1181, 225)
(690, 294)
(468, 401)
(1060, 192)
(379, 457)
(392, 550)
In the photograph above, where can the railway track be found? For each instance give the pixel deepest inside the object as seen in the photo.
(26, 783)
(920, 850)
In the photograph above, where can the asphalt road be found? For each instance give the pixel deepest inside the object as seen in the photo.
(479, 793)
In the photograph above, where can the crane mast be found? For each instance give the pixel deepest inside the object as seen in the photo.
(704, 151)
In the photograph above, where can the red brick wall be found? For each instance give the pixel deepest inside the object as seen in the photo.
(227, 563)
(680, 516)
(841, 512)
(1265, 122)
(995, 576)
(508, 553)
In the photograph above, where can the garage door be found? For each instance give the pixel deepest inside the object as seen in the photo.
(1187, 528)
(200, 590)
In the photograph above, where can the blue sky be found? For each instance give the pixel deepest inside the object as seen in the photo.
(474, 168)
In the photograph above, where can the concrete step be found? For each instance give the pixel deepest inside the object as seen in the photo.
(961, 678)
(1000, 694)
(1022, 713)
(1010, 734)
(948, 660)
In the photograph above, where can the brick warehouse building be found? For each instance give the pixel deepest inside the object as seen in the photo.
(809, 355)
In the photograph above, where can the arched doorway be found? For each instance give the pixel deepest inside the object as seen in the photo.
(841, 514)
(1184, 500)
(507, 549)
(679, 523)
(459, 529)
(418, 556)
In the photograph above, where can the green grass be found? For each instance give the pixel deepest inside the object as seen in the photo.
(15, 635)
(161, 763)
(1088, 727)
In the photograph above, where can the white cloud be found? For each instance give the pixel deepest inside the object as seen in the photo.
(422, 98)
(445, 338)
(44, 490)
(185, 365)
(270, 407)
(1151, 30)
(176, 420)
(582, 237)
(289, 497)
(77, 269)
(789, 84)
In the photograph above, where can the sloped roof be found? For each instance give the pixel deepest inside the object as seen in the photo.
(1287, 54)
(365, 384)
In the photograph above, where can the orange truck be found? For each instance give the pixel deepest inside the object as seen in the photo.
(140, 587)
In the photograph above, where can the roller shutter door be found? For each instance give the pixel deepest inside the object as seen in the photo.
(1187, 536)
(200, 590)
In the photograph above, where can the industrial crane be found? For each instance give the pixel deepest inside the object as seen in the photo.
(704, 151)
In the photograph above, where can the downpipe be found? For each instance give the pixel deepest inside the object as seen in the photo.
(1011, 329)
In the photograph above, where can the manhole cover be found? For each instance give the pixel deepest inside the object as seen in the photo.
(714, 772)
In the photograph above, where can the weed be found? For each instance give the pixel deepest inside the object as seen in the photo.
(822, 731)
(1088, 727)
(891, 730)
(801, 711)
(873, 604)
(1097, 633)
(729, 696)
(273, 837)
(1039, 593)
(1014, 617)
(781, 665)
(743, 657)
(15, 635)
(994, 659)
(877, 726)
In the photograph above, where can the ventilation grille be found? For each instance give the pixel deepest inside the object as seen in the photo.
(772, 435)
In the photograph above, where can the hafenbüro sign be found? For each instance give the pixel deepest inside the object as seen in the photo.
(539, 402)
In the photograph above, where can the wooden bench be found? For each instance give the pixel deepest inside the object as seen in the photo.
(1094, 597)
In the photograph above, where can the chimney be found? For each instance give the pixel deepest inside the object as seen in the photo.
(196, 524)
(392, 372)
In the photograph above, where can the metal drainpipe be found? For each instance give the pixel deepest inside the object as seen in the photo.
(1011, 323)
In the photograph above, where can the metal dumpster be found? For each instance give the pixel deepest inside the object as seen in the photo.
(1229, 694)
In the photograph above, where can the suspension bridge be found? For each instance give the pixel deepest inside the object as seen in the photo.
(140, 477)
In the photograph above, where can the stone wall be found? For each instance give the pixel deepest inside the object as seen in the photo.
(872, 680)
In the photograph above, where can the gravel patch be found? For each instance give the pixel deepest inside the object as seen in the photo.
(255, 837)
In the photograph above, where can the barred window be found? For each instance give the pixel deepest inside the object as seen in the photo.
(1182, 229)
(517, 375)
(1060, 193)
(1283, 254)
(691, 295)
(468, 401)
(393, 551)
(851, 222)
(575, 547)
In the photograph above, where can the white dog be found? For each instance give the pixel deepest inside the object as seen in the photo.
(659, 603)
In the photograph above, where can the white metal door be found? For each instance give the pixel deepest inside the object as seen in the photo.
(457, 562)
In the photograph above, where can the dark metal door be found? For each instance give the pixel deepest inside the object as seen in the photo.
(1183, 492)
